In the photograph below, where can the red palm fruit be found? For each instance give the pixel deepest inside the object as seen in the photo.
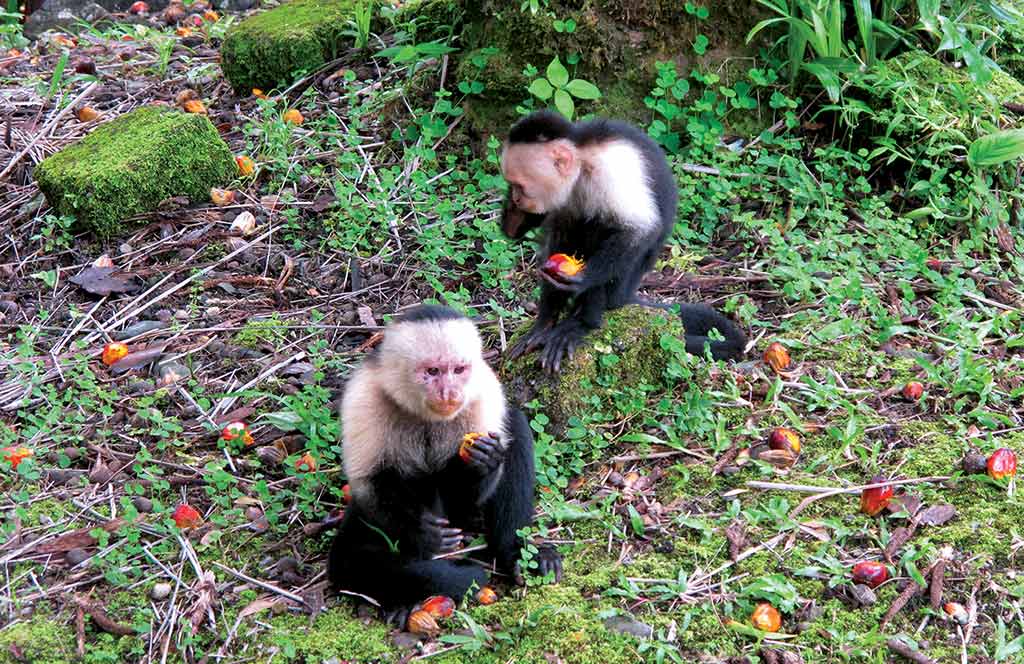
(486, 595)
(913, 390)
(777, 357)
(873, 501)
(186, 516)
(15, 455)
(870, 573)
(439, 606)
(422, 623)
(346, 494)
(113, 352)
(782, 438)
(1002, 463)
(563, 265)
(766, 618)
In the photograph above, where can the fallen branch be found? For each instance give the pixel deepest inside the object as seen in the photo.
(102, 620)
(904, 649)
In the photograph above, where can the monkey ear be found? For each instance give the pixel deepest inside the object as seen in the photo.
(564, 158)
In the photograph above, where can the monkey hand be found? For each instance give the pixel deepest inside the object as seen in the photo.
(438, 536)
(573, 284)
(549, 562)
(486, 453)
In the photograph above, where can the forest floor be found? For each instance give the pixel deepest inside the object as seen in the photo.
(674, 519)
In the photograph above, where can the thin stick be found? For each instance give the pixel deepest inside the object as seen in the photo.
(262, 584)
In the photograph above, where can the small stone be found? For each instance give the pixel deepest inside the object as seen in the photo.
(142, 504)
(160, 591)
(125, 248)
(100, 474)
(405, 640)
(629, 626)
(76, 556)
(975, 464)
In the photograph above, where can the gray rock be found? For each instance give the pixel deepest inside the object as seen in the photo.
(76, 556)
(160, 591)
(630, 626)
(61, 15)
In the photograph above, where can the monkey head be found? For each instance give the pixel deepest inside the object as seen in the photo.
(541, 177)
(431, 366)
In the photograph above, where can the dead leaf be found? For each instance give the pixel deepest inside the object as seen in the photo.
(322, 202)
(106, 280)
(906, 501)
(936, 515)
(77, 539)
(782, 459)
(207, 591)
(137, 359)
(900, 536)
(736, 534)
(1004, 237)
(256, 606)
(366, 316)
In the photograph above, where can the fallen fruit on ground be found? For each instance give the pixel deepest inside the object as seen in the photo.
(439, 606)
(138, 8)
(306, 463)
(194, 106)
(563, 265)
(346, 494)
(186, 516)
(113, 352)
(913, 390)
(467, 444)
(222, 196)
(870, 573)
(246, 166)
(237, 430)
(873, 501)
(87, 114)
(422, 623)
(293, 116)
(486, 596)
(957, 612)
(782, 438)
(15, 455)
(777, 357)
(766, 618)
(211, 16)
(1002, 463)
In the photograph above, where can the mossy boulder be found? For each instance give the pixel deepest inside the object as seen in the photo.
(626, 351)
(272, 47)
(619, 42)
(128, 166)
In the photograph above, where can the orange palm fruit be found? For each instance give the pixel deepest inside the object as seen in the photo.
(766, 618)
(782, 438)
(113, 352)
(776, 356)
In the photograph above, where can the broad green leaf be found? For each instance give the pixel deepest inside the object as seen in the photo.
(564, 103)
(557, 73)
(582, 89)
(827, 77)
(997, 148)
(865, 24)
(541, 88)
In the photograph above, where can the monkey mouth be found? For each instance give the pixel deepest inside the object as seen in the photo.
(444, 408)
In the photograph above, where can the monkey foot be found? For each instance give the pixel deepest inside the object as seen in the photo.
(535, 338)
(549, 562)
(562, 340)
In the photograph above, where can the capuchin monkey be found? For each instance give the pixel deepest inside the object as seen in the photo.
(603, 192)
(404, 413)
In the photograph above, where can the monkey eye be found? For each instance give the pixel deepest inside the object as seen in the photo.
(460, 369)
(433, 371)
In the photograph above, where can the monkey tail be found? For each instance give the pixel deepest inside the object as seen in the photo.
(699, 320)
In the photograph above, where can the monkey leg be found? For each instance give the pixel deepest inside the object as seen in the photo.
(510, 508)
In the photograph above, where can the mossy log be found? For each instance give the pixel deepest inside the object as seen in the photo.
(129, 165)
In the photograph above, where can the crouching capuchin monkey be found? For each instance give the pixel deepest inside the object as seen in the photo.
(603, 192)
(404, 413)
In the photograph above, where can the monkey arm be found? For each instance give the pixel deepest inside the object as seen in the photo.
(612, 260)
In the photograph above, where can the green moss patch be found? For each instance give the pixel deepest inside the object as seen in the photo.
(129, 165)
(627, 350)
(270, 48)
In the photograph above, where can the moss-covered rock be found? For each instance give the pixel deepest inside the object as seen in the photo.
(626, 351)
(129, 165)
(270, 48)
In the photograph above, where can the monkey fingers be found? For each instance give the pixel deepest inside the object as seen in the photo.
(397, 616)
(440, 537)
(573, 284)
(486, 454)
(549, 561)
(564, 341)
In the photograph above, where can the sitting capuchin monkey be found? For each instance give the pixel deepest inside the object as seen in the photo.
(404, 414)
(603, 192)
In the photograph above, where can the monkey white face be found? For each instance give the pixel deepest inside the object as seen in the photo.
(430, 366)
(541, 176)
